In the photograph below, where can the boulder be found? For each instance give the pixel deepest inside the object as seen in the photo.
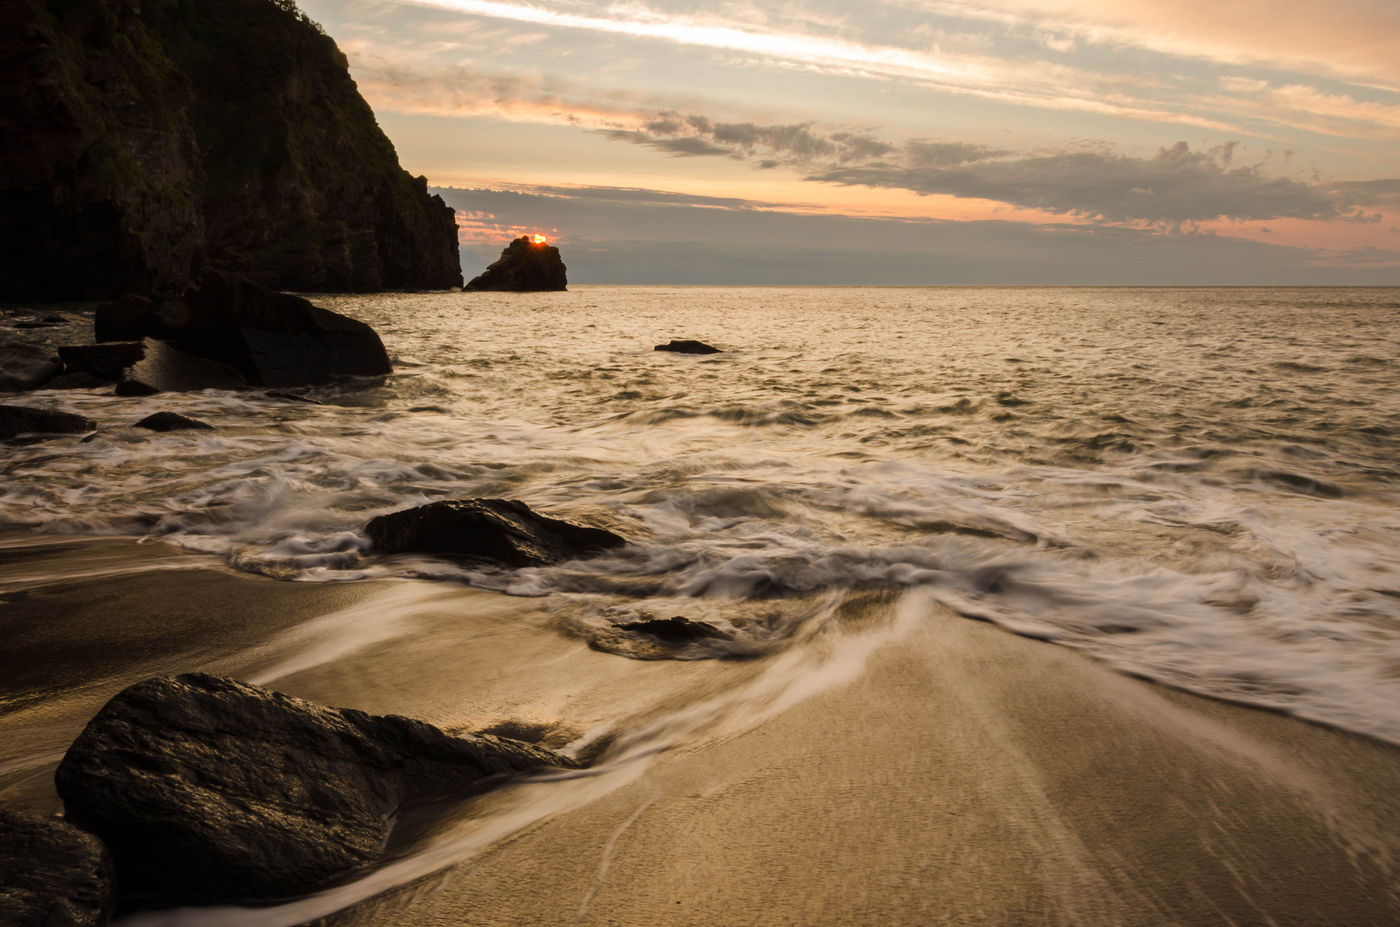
(26, 366)
(18, 420)
(172, 421)
(148, 366)
(525, 266)
(52, 873)
(270, 338)
(499, 531)
(687, 347)
(207, 789)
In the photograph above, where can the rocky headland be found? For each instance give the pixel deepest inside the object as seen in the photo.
(527, 265)
(148, 141)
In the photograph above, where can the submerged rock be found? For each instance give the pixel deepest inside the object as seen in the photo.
(18, 420)
(208, 789)
(500, 531)
(270, 338)
(52, 873)
(675, 629)
(674, 638)
(687, 347)
(172, 421)
(525, 266)
(26, 366)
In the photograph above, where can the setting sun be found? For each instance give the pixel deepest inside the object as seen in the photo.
(540, 239)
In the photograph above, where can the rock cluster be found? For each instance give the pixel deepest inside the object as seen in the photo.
(525, 266)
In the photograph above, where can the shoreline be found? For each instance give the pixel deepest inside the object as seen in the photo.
(950, 772)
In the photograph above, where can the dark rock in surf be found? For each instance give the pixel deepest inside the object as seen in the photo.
(26, 366)
(148, 366)
(687, 347)
(52, 873)
(674, 630)
(489, 530)
(207, 789)
(525, 266)
(172, 421)
(18, 420)
(270, 338)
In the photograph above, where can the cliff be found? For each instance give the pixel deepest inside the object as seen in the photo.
(149, 140)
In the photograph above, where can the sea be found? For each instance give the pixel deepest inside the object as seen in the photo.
(1196, 486)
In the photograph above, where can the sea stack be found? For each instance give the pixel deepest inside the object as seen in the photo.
(527, 265)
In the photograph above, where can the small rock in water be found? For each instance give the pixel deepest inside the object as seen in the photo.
(207, 789)
(52, 873)
(687, 347)
(492, 530)
(26, 366)
(171, 421)
(17, 420)
(525, 266)
(675, 629)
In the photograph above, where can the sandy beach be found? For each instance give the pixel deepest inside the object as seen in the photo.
(901, 765)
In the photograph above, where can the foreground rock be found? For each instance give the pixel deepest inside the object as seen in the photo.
(271, 339)
(674, 638)
(141, 368)
(26, 366)
(18, 420)
(52, 873)
(500, 531)
(687, 347)
(525, 266)
(172, 421)
(207, 789)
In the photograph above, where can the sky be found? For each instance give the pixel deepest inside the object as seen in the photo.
(901, 141)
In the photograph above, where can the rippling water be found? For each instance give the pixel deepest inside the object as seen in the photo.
(1195, 485)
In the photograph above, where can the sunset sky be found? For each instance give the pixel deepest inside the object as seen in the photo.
(901, 141)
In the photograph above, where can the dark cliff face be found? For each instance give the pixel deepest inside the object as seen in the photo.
(147, 140)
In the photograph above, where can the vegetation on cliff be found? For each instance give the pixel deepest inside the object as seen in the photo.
(147, 141)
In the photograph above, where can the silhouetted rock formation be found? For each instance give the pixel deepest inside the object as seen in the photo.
(52, 873)
(525, 266)
(26, 366)
(148, 139)
(18, 420)
(172, 421)
(687, 347)
(272, 339)
(491, 530)
(207, 789)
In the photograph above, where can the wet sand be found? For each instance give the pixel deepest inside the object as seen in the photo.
(904, 766)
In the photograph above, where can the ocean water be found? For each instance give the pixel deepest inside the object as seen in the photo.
(1197, 486)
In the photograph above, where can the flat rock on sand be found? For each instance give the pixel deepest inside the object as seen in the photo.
(502, 531)
(207, 789)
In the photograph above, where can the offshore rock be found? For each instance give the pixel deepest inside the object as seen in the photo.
(172, 421)
(207, 789)
(26, 366)
(687, 347)
(52, 873)
(499, 531)
(272, 339)
(147, 139)
(18, 420)
(525, 266)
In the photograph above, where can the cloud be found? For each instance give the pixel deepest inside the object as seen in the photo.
(625, 235)
(1175, 187)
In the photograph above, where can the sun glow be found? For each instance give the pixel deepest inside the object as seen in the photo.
(540, 239)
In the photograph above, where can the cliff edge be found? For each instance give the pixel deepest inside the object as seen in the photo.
(150, 140)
